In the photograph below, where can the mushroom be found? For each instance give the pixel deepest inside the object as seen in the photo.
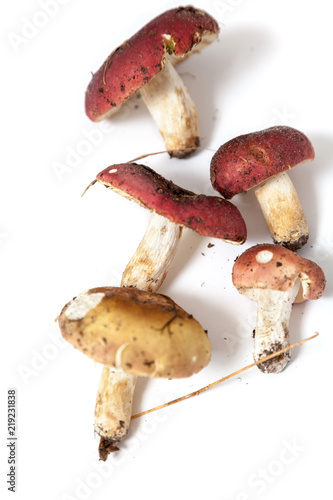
(275, 277)
(260, 160)
(145, 63)
(173, 208)
(136, 333)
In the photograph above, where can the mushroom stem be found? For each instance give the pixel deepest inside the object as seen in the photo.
(113, 407)
(283, 211)
(150, 263)
(146, 271)
(173, 110)
(272, 328)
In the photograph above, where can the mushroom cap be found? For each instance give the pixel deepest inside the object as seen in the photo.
(140, 332)
(174, 34)
(247, 160)
(208, 215)
(268, 266)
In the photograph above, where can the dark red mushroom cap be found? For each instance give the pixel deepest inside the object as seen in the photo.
(175, 32)
(207, 215)
(273, 267)
(247, 160)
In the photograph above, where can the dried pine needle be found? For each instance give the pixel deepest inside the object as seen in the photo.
(223, 379)
(174, 150)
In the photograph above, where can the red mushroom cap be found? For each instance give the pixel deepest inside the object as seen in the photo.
(141, 57)
(247, 160)
(273, 267)
(207, 215)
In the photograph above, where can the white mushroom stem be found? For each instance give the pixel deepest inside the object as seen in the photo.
(272, 328)
(173, 110)
(150, 263)
(113, 408)
(146, 271)
(283, 211)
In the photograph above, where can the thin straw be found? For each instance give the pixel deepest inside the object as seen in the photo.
(161, 152)
(196, 393)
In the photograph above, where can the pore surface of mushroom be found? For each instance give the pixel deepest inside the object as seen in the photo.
(275, 277)
(261, 160)
(145, 63)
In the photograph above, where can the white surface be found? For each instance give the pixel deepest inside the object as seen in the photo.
(256, 436)
(83, 303)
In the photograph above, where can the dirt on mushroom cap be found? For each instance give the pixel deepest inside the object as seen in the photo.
(208, 215)
(249, 159)
(140, 332)
(279, 272)
(140, 58)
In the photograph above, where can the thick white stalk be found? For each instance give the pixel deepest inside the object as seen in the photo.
(283, 211)
(146, 271)
(150, 263)
(272, 328)
(113, 407)
(173, 110)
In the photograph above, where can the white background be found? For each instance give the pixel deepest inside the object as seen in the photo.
(254, 437)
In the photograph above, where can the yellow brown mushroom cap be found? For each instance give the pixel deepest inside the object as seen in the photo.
(268, 266)
(140, 332)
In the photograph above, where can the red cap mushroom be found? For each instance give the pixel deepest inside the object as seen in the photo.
(207, 215)
(173, 208)
(275, 277)
(260, 160)
(145, 63)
